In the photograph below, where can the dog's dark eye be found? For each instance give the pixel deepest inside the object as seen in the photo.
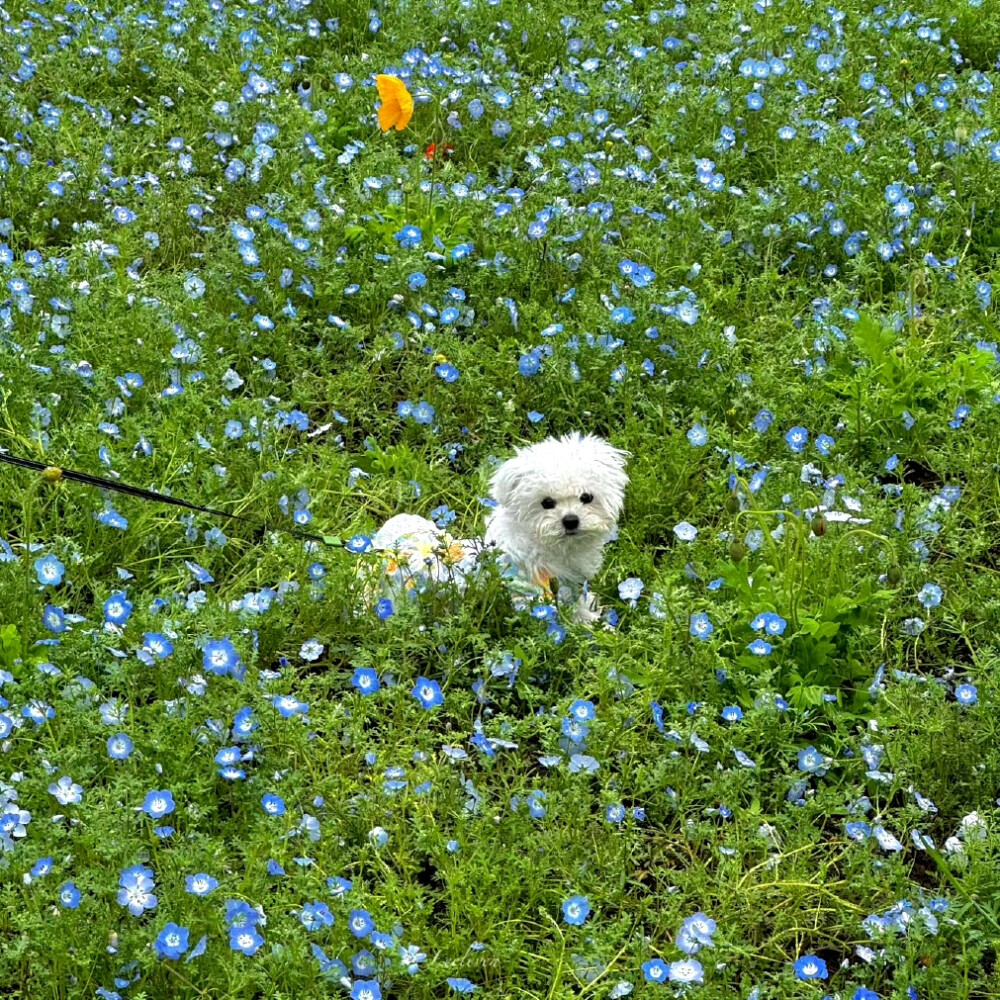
(587, 498)
(548, 503)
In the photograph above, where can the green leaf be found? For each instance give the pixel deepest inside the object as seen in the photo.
(873, 340)
(806, 696)
(10, 644)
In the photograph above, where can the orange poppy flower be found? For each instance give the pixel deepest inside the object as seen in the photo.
(397, 103)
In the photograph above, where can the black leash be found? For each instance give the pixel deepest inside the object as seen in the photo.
(53, 474)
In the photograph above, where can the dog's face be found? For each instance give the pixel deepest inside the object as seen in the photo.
(563, 489)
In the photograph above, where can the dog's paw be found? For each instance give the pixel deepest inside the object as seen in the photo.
(586, 610)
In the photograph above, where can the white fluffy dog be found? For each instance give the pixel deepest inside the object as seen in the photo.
(558, 504)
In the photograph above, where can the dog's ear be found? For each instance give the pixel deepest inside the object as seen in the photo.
(508, 479)
(611, 456)
(609, 465)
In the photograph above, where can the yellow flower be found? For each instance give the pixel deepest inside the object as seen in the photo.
(397, 103)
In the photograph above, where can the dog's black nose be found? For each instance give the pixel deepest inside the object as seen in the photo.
(571, 522)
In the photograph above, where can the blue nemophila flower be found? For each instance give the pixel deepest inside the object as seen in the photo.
(698, 436)
(630, 590)
(114, 712)
(529, 364)
(696, 933)
(365, 680)
(930, 595)
(219, 657)
(966, 694)
(575, 910)
(117, 609)
(171, 942)
(41, 867)
(245, 940)
(358, 544)
(54, 619)
(66, 792)
(615, 814)
(655, 970)
(49, 571)
(687, 970)
(158, 804)
(69, 896)
(701, 626)
(863, 993)
(38, 711)
(409, 237)
(366, 989)
(447, 372)
(312, 649)
(732, 713)
(244, 723)
(581, 763)
(423, 413)
(760, 647)
(410, 956)
(109, 517)
(460, 985)
(240, 914)
(157, 645)
(315, 916)
(136, 890)
(201, 884)
(770, 623)
(273, 805)
(428, 693)
(364, 962)
(685, 531)
(887, 840)
(582, 710)
(825, 444)
(288, 705)
(797, 439)
(360, 923)
(858, 830)
(339, 887)
(813, 762)
(810, 967)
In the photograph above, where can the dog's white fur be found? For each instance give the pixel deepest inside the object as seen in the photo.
(558, 504)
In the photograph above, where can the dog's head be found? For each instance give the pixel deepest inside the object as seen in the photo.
(564, 488)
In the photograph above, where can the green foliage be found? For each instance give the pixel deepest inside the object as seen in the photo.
(271, 388)
(906, 372)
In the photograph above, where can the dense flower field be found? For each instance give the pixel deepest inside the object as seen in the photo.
(751, 243)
